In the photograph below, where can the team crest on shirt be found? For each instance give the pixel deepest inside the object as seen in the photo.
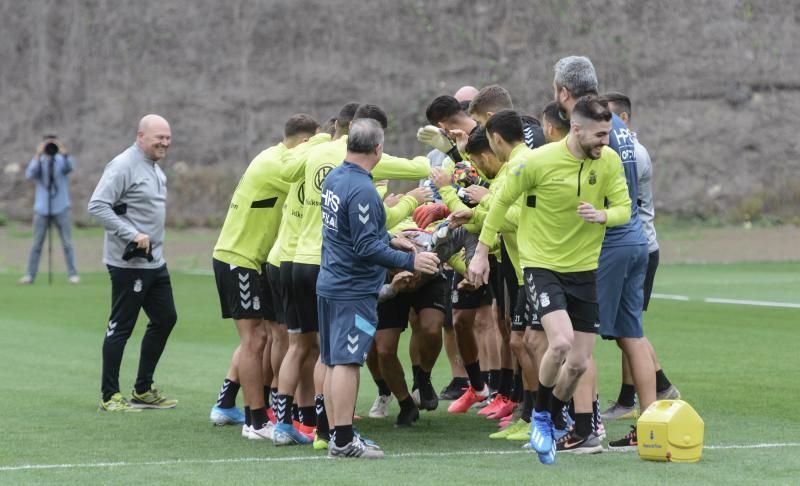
(592, 177)
(454, 297)
(137, 285)
(256, 303)
(544, 299)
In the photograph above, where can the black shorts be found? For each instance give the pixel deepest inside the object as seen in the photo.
(287, 293)
(462, 299)
(243, 293)
(506, 283)
(650, 276)
(393, 313)
(276, 292)
(575, 292)
(304, 295)
(448, 301)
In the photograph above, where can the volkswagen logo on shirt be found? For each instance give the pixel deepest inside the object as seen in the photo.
(320, 175)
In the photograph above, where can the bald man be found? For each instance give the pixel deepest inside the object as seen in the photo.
(130, 201)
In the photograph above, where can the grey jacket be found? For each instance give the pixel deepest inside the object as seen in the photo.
(131, 198)
(647, 212)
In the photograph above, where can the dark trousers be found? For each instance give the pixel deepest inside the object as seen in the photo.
(133, 289)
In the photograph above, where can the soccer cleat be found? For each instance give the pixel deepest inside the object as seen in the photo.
(454, 389)
(627, 443)
(505, 421)
(357, 449)
(600, 430)
(380, 407)
(407, 417)
(511, 428)
(670, 393)
(427, 397)
(485, 402)
(504, 407)
(468, 399)
(264, 433)
(26, 280)
(548, 457)
(226, 416)
(286, 434)
(271, 416)
(246, 431)
(320, 442)
(152, 398)
(74, 279)
(490, 407)
(306, 430)
(617, 412)
(541, 432)
(575, 444)
(116, 404)
(523, 433)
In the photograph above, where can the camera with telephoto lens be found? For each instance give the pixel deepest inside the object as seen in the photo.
(51, 148)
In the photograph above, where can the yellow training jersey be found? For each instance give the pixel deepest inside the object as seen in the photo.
(254, 214)
(552, 183)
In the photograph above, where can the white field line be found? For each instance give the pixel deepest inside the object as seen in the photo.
(762, 303)
(669, 296)
(405, 455)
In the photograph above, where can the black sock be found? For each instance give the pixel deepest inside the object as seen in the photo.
(662, 382)
(383, 388)
(596, 413)
(344, 435)
(247, 419)
(415, 369)
(227, 394)
(494, 379)
(424, 377)
(583, 424)
(283, 409)
(528, 399)
(557, 412)
(407, 403)
(308, 416)
(627, 394)
(323, 429)
(267, 395)
(295, 412)
(543, 396)
(517, 393)
(506, 382)
(259, 418)
(475, 375)
(486, 378)
(273, 395)
(571, 409)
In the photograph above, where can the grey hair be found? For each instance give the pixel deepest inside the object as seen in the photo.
(577, 74)
(365, 135)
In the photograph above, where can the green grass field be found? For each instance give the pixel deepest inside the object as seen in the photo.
(738, 365)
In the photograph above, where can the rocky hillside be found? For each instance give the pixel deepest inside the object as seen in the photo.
(715, 83)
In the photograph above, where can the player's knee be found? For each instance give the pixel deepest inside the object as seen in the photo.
(517, 343)
(577, 368)
(560, 346)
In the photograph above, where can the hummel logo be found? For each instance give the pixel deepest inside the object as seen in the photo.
(246, 305)
(111, 327)
(320, 409)
(363, 209)
(352, 339)
(244, 277)
(244, 286)
(363, 217)
(244, 295)
(352, 347)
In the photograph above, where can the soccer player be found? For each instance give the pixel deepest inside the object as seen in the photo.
(354, 256)
(303, 325)
(624, 406)
(130, 201)
(494, 98)
(239, 261)
(560, 234)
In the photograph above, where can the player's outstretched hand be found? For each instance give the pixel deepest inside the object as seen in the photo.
(478, 271)
(459, 218)
(476, 193)
(403, 281)
(590, 214)
(391, 200)
(435, 137)
(403, 244)
(421, 194)
(440, 178)
(426, 262)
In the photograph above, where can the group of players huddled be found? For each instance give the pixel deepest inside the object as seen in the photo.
(527, 237)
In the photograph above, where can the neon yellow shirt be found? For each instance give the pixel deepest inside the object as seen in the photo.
(319, 162)
(254, 214)
(552, 182)
(284, 247)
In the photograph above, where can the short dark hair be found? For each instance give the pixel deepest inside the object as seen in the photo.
(478, 142)
(345, 116)
(365, 135)
(621, 102)
(591, 108)
(374, 112)
(300, 124)
(329, 126)
(553, 114)
(492, 98)
(442, 108)
(507, 124)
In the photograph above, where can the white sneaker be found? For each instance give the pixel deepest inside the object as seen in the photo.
(264, 433)
(25, 280)
(380, 407)
(74, 279)
(246, 431)
(355, 449)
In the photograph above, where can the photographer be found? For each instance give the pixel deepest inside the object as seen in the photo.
(50, 168)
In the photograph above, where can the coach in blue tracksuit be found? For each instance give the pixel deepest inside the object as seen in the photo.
(355, 255)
